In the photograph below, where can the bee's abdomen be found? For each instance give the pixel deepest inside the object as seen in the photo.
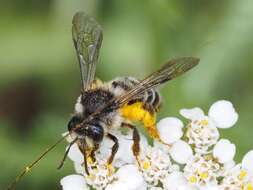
(150, 98)
(153, 99)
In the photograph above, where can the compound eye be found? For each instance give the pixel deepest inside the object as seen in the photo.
(73, 122)
(95, 132)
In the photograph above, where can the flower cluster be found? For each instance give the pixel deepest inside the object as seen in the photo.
(187, 157)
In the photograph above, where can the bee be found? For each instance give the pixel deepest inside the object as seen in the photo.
(106, 106)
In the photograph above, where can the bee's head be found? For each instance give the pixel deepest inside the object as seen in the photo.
(93, 130)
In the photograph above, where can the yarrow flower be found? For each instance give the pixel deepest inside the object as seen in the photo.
(155, 165)
(186, 157)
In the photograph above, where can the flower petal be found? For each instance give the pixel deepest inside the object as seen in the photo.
(116, 186)
(229, 165)
(192, 114)
(223, 114)
(130, 176)
(170, 129)
(174, 180)
(74, 182)
(75, 154)
(181, 152)
(124, 154)
(224, 151)
(211, 187)
(247, 162)
(79, 168)
(159, 145)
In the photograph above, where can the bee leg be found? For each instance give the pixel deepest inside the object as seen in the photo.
(136, 139)
(115, 147)
(83, 150)
(66, 153)
(92, 154)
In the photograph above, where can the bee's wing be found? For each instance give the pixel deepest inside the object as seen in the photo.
(87, 37)
(172, 69)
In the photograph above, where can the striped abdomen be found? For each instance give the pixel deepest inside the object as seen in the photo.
(150, 98)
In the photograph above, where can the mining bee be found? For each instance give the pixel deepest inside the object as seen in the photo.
(106, 106)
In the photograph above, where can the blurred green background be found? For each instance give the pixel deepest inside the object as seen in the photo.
(39, 76)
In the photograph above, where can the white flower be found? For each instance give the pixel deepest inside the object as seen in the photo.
(223, 113)
(192, 114)
(202, 170)
(229, 165)
(75, 154)
(155, 165)
(159, 145)
(201, 131)
(124, 154)
(116, 186)
(247, 162)
(175, 181)
(170, 129)
(181, 152)
(74, 182)
(100, 175)
(211, 187)
(155, 188)
(202, 161)
(130, 177)
(237, 178)
(224, 151)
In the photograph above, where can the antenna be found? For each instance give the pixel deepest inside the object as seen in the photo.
(29, 167)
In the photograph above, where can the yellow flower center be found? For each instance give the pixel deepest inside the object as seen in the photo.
(146, 165)
(242, 174)
(249, 186)
(193, 179)
(204, 122)
(203, 175)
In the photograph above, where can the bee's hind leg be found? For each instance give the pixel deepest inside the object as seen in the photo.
(136, 139)
(115, 148)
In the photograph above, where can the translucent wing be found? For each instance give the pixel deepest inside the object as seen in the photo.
(169, 71)
(87, 37)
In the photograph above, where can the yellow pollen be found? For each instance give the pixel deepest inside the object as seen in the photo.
(146, 165)
(204, 175)
(249, 186)
(91, 177)
(137, 112)
(204, 122)
(110, 169)
(89, 160)
(193, 179)
(242, 174)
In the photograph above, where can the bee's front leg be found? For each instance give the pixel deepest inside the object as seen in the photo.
(115, 148)
(82, 147)
(92, 154)
(66, 154)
